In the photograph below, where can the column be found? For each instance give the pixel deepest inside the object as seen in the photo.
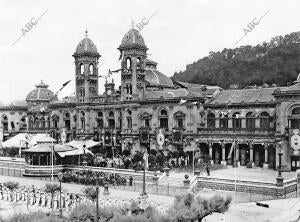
(223, 162)
(266, 163)
(251, 154)
(210, 152)
(237, 154)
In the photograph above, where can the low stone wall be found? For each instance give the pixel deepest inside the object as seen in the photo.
(267, 189)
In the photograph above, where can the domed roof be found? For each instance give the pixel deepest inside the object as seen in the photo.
(41, 93)
(154, 77)
(86, 46)
(133, 37)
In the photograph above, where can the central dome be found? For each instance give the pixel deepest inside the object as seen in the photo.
(86, 46)
(133, 37)
(41, 93)
(154, 77)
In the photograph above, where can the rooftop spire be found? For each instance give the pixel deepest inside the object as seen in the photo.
(86, 32)
(132, 24)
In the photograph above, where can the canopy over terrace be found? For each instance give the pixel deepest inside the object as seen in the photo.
(20, 140)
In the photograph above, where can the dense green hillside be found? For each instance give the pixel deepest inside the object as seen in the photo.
(277, 61)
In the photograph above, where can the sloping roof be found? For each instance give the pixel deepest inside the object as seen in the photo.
(19, 140)
(79, 144)
(75, 152)
(293, 88)
(244, 96)
(47, 148)
(167, 93)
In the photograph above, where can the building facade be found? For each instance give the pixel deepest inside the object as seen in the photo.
(150, 111)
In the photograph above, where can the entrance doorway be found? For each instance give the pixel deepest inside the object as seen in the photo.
(295, 163)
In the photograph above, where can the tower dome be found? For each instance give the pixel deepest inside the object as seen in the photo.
(41, 93)
(86, 45)
(133, 38)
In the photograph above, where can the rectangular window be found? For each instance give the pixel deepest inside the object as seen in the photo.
(163, 123)
(147, 123)
(129, 123)
(180, 122)
(100, 123)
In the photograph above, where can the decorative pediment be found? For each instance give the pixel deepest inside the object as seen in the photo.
(179, 114)
(146, 115)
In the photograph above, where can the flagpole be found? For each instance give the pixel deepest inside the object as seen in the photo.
(52, 148)
(235, 166)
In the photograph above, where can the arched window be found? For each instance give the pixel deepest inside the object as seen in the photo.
(250, 121)
(81, 92)
(82, 119)
(55, 120)
(42, 123)
(139, 63)
(211, 120)
(5, 122)
(294, 119)
(100, 114)
(81, 69)
(111, 120)
(128, 63)
(111, 114)
(236, 121)
(264, 120)
(163, 119)
(100, 120)
(92, 91)
(67, 120)
(223, 120)
(296, 111)
(129, 119)
(91, 69)
(128, 88)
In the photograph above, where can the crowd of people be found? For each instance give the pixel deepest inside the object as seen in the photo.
(38, 198)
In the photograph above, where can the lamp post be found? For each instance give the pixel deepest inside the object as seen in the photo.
(97, 203)
(279, 179)
(60, 177)
(84, 163)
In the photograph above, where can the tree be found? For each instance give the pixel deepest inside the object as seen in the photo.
(52, 188)
(90, 193)
(11, 185)
(189, 207)
(126, 152)
(137, 157)
(160, 159)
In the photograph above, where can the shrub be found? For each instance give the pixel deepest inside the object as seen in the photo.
(127, 163)
(90, 193)
(137, 157)
(11, 185)
(160, 160)
(126, 152)
(36, 217)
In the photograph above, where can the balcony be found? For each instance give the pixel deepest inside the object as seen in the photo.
(240, 131)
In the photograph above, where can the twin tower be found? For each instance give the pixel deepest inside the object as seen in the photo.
(133, 53)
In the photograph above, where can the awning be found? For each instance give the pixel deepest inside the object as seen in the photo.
(79, 144)
(20, 140)
(75, 152)
(47, 148)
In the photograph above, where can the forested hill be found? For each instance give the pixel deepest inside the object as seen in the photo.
(277, 61)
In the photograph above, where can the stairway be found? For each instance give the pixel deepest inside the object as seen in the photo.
(172, 180)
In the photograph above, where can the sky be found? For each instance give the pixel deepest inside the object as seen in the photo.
(179, 33)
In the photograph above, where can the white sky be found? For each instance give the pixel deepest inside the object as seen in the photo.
(180, 33)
